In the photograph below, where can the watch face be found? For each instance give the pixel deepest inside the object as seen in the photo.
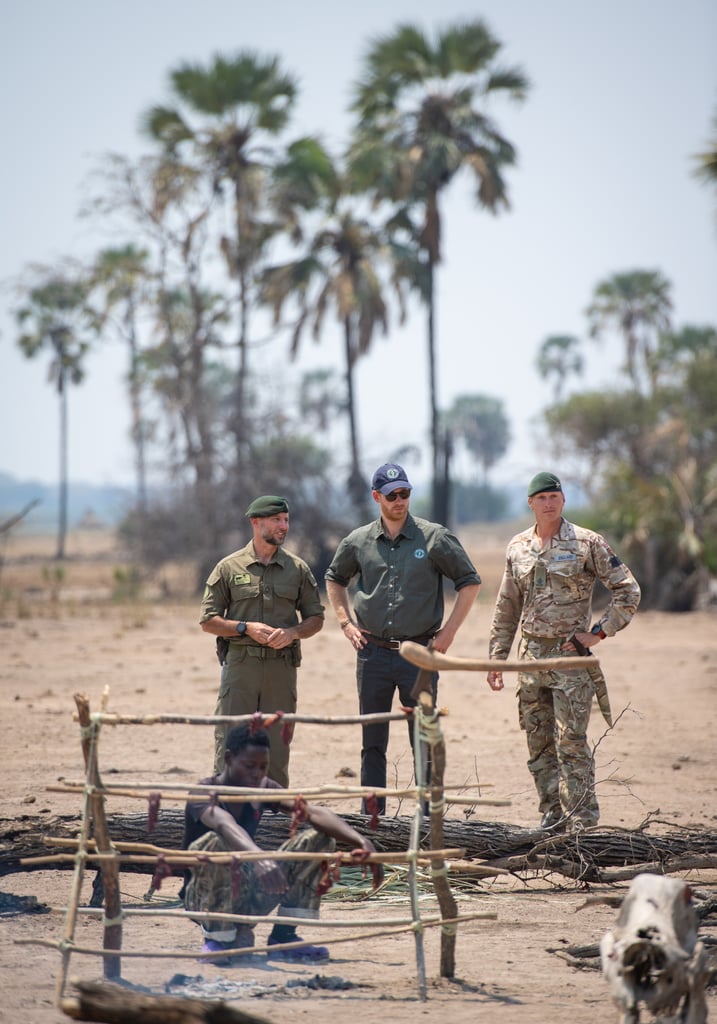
(241, 628)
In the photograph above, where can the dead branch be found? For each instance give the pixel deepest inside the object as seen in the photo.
(594, 856)
(8, 524)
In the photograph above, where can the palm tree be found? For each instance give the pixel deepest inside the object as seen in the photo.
(241, 103)
(338, 267)
(706, 162)
(420, 123)
(479, 421)
(57, 316)
(558, 357)
(638, 304)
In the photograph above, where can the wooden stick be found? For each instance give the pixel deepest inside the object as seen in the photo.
(446, 900)
(436, 662)
(245, 793)
(73, 904)
(114, 718)
(186, 858)
(183, 794)
(414, 843)
(309, 922)
(110, 872)
(486, 915)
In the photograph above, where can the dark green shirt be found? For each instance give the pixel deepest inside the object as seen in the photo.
(399, 585)
(241, 587)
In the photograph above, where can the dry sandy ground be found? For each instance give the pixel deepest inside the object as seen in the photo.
(660, 759)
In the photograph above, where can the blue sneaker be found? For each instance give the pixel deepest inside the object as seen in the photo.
(307, 954)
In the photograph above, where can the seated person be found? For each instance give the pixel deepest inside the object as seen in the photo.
(255, 887)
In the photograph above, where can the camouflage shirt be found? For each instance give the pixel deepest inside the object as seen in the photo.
(548, 591)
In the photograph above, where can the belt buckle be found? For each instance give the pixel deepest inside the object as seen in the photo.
(394, 644)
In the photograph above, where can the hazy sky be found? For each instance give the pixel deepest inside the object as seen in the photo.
(623, 93)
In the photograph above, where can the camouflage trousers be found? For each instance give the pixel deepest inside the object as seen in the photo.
(554, 711)
(235, 889)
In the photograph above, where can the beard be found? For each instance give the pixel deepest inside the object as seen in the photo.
(273, 537)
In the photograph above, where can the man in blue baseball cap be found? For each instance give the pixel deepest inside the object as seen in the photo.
(399, 563)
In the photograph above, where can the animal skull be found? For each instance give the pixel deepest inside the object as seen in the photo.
(653, 956)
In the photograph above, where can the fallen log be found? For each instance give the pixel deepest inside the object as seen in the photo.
(585, 857)
(26, 837)
(117, 1004)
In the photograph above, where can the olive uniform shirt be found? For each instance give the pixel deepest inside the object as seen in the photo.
(551, 588)
(241, 587)
(399, 591)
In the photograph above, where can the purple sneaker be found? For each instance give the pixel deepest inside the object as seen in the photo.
(244, 938)
(212, 946)
(307, 954)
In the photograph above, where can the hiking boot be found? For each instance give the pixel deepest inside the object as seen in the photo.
(577, 825)
(553, 819)
(307, 954)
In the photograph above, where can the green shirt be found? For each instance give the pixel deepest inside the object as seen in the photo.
(241, 587)
(399, 586)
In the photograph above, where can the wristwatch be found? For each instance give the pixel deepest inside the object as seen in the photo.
(597, 630)
(241, 628)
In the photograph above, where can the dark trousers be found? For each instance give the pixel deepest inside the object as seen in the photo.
(379, 673)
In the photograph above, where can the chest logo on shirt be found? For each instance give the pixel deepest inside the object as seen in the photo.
(419, 553)
(239, 578)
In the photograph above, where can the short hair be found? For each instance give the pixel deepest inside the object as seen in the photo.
(243, 736)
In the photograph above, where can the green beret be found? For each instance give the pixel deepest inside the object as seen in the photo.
(267, 505)
(543, 482)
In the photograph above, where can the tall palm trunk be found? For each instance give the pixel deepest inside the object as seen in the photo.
(138, 432)
(438, 511)
(356, 482)
(62, 518)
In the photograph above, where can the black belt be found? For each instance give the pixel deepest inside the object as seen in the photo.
(393, 645)
(261, 651)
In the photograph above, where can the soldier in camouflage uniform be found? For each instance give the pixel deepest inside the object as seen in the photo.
(547, 590)
(252, 603)
(255, 887)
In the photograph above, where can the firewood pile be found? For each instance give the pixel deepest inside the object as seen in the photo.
(599, 855)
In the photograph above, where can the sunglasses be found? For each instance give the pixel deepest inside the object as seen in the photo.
(403, 494)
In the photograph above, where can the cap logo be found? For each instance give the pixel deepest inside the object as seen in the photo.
(391, 474)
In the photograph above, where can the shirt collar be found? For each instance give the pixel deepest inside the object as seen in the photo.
(407, 530)
(279, 557)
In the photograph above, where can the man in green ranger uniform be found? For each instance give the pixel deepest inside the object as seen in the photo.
(400, 563)
(547, 589)
(260, 602)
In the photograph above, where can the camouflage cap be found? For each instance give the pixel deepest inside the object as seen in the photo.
(267, 505)
(543, 482)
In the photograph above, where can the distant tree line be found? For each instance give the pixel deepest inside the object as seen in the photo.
(233, 234)
(645, 449)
